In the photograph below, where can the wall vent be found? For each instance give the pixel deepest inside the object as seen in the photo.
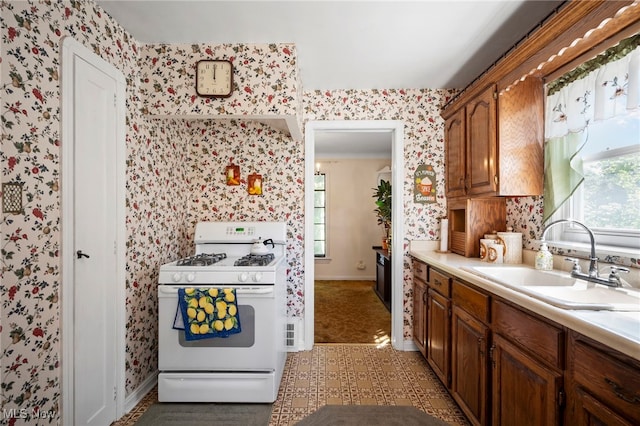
(291, 337)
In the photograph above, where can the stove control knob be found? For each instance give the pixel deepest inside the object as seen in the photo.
(176, 277)
(257, 277)
(243, 277)
(191, 276)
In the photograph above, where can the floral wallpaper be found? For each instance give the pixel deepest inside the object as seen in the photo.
(265, 80)
(30, 332)
(157, 232)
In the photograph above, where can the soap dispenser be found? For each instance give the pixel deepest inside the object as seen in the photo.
(544, 258)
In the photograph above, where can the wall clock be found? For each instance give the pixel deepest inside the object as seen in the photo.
(214, 78)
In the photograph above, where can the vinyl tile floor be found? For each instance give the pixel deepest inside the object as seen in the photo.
(349, 374)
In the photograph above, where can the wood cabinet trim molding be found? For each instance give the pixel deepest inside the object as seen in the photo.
(571, 22)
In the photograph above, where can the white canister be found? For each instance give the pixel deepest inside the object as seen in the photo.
(485, 243)
(495, 253)
(512, 246)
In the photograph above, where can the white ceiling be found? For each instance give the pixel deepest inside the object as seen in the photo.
(350, 44)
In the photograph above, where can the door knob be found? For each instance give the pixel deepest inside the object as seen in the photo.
(80, 254)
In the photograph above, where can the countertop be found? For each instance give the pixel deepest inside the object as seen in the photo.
(619, 330)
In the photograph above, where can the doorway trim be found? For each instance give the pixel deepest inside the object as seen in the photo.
(396, 128)
(71, 49)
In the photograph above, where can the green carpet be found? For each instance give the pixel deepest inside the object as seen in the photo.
(369, 415)
(205, 414)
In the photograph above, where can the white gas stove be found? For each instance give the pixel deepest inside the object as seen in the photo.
(249, 257)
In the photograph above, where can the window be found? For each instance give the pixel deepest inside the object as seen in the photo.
(592, 149)
(320, 216)
(608, 200)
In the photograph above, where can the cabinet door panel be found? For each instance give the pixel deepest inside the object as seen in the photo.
(524, 391)
(591, 412)
(481, 143)
(455, 154)
(420, 315)
(612, 378)
(469, 340)
(438, 326)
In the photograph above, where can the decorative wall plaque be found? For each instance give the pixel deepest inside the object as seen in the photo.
(424, 187)
(232, 173)
(254, 181)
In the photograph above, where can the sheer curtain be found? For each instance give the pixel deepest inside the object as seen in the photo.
(601, 90)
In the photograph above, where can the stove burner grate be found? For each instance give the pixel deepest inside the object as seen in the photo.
(255, 260)
(204, 259)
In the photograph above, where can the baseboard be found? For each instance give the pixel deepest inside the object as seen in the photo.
(409, 345)
(344, 278)
(140, 392)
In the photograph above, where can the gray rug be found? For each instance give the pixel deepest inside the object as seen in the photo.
(369, 415)
(201, 414)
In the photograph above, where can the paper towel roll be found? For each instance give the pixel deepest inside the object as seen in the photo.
(444, 234)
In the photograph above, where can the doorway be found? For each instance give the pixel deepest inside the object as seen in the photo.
(93, 237)
(396, 131)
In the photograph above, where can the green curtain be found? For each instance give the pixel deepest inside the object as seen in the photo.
(561, 181)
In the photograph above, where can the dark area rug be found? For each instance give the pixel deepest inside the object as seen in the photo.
(369, 415)
(349, 312)
(201, 414)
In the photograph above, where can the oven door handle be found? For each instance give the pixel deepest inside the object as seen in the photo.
(252, 290)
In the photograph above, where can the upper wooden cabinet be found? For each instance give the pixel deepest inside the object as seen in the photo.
(474, 119)
(455, 142)
(481, 149)
(494, 143)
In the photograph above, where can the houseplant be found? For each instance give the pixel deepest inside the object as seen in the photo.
(382, 195)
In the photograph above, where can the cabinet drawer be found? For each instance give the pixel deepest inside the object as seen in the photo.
(440, 282)
(540, 338)
(471, 300)
(420, 270)
(613, 380)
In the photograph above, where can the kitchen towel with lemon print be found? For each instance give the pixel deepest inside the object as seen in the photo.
(207, 312)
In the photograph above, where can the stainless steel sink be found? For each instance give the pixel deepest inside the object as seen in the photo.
(560, 289)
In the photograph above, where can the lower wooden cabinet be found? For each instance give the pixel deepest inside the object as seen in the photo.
(524, 391)
(439, 334)
(527, 359)
(420, 312)
(469, 368)
(603, 385)
(505, 365)
(588, 411)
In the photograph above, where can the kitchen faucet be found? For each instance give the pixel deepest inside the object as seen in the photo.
(613, 280)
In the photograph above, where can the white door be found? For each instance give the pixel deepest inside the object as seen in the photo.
(93, 224)
(95, 233)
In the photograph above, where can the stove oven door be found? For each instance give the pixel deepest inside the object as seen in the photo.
(258, 347)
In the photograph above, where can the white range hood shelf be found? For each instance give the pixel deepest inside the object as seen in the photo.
(287, 124)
